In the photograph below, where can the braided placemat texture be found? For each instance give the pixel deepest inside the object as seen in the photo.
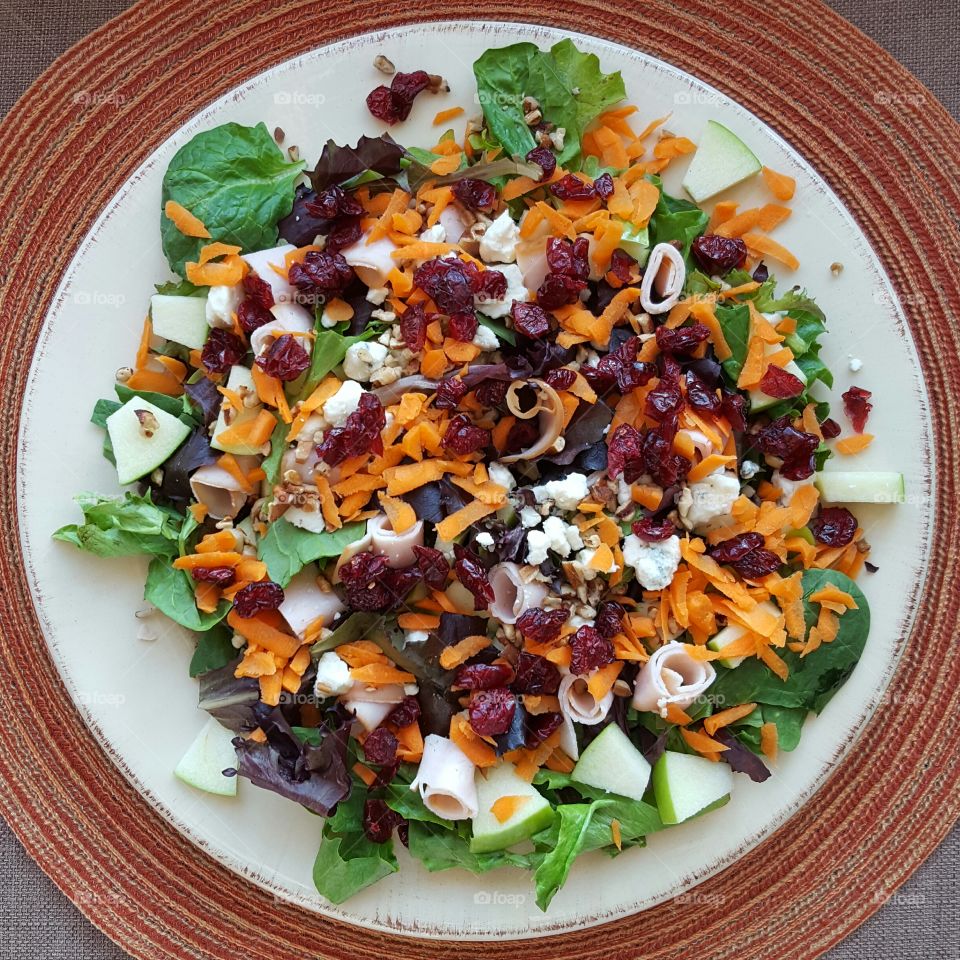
(890, 152)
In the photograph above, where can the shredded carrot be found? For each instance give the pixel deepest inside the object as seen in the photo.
(461, 652)
(505, 807)
(381, 674)
(779, 184)
(725, 717)
(709, 465)
(193, 561)
(211, 251)
(615, 834)
(452, 526)
(739, 224)
(418, 621)
(772, 215)
(760, 245)
(444, 115)
(667, 148)
(722, 212)
(848, 446)
(400, 514)
(701, 742)
(769, 737)
(185, 221)
(260, 631)
(444, 165)
(480, 753)
(753, 366)
(227, 272)
(833, 594)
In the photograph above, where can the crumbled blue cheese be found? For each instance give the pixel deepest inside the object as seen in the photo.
(333, 676)
(654, 563)
(362, 359)
(516, 290)
(376, 295)
(486, 339)
(485, 540)
(499, 242)
(434, 234)
(562, 538)
(222, 304)
(707, 503)
(567, 493)
(501, 475)
(529, 517)
(856, 364)
(339, 407)
(749, 469)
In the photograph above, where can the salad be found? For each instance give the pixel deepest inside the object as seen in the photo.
(488, 477)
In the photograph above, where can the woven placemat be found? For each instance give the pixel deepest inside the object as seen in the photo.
(860, 118)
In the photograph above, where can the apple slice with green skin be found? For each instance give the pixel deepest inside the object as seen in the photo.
(533, 812)
(733, 632)
(209, 755)
(635, 241)
(848, 486)
(240, 377)
(180, 319)
(685, 785)
(611, 762)
(759, 400)
(721, 161)
(143, 436)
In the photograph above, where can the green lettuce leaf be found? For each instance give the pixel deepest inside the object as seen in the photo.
(214, 650)
(125, 526)
(171, 592)
(568, 84)
(444, 848)
(236, 180)
(287, 549)
(676, 220)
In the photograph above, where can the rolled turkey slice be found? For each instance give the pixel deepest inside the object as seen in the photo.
(511, 596)
(445, 779)
(304, 602)
(671, 675)
(577, 703)
(262, 263)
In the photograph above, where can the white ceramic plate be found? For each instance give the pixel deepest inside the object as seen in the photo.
(137, 696)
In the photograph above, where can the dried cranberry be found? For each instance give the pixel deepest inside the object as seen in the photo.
(717, 256)
(258, 291)
(621, 265)
(463, 437)
(380, 747)
(625, 447)
(535, 675)
(334, 202)
(321, 274)
(570, 259)
(546, 159)
(221, 576)
(653, 530)
(834, 526)
(700, 396)
(761, 274)
(222, 351)
(571, 187)
(433, 566)
(562, 378)
(393, 104)
(462, 326)
(542, 626)
(757, 564)
(482, 676)
(530, 319)
(491, 711)
(492, 392)
(407, 711)
(681, 341)
(558, 290)
(665, 399)
(609, 620)
(857, 406)
(794, 447)
(344, 234)
(830, 428)
(734, 408)
(359, 435)
(475, 194)
(472, 574)
(603, 186)
(490, 285)
(449, 282)
(540, 726)
(413, 327)
(381, 104)
(251, 316)
(285, 359)
(589, 651)
(379, 820)
(371, 584)
(450, 392)
(523, 434)
(255, 598)
(777, 382)
(736, 548)
(658, 459)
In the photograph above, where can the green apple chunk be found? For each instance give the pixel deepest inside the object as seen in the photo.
(532, 815)
(847, 486)
(143, 436)
(209, 755)
(721, 161)
(635, 241)
(685, 785)
(611, 762)
(240, 377)
(734, 632)
(180, 319)
(759, 400)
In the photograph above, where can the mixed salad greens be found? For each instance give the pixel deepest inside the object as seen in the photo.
(488, 477)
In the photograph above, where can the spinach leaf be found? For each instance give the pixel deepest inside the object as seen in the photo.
(236, 181)
(676, 220)
(812, 680)
(123, 527)
(101, 410)
(171, 592)
(409, 804)
(442, 848)
(329, 349)
(278, 444)
(500, 329)
(568, 85)
(180, 288)
(347, 861)
(572, 834)
(176, 406)
(734, 320)
(214, 650)
(789, 722)
(287, 549)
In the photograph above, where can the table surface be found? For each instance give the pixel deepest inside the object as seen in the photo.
(921, 920)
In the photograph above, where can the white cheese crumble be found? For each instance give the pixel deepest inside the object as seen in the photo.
(486, 339)
(485, 540)
(787, 487)
(856, 364)
(560, 537)
(222, 303)
(497, 309)
(529, 517)
(654, 563)
(566, 494)
(333, 676)
(499, 243)
(362, 359)
(501, 475)
(434, 234)
(749, 469)
(707, 503)
(343, 403)
(417, 636)
(376, 295)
